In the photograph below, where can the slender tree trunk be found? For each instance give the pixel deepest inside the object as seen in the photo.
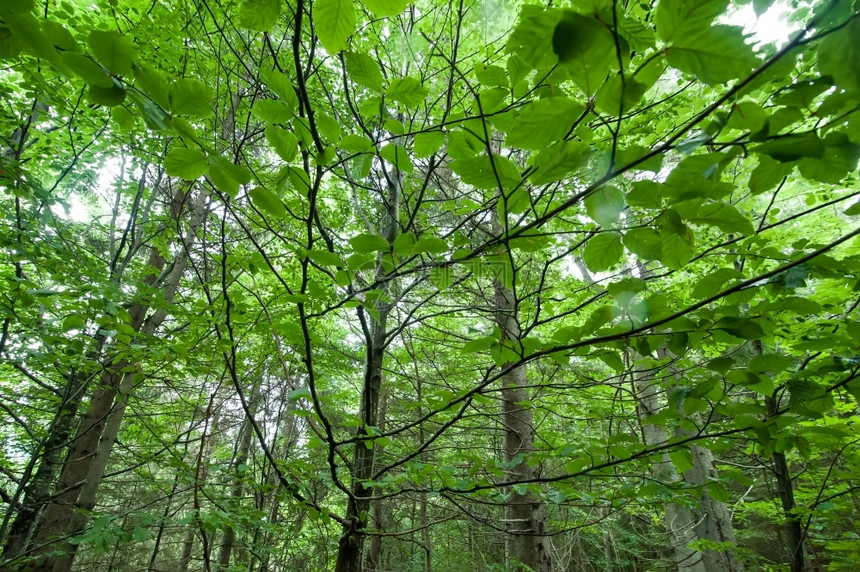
(530, 547)
(785, 490)
(351, 544)
(225, 549)
(98, 429)
(375, 551)
(713, 519)
(680, 522)
(37, 491)
(349, 558)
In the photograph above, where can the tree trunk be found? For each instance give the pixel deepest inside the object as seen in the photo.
(680, 522)
(36, 493)
(98, 429)
(793, 525)
(225, 549)
(526, 513)
(349, 557)
(713, 519)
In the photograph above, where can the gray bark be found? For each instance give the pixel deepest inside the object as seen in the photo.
(530, 547)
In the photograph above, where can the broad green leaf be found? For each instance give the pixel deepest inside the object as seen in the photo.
(355, 143)
(280, 85)
(139, 534)
(714, 55)
(325, 258)
(839, 56)
(272, 111)
(89, 70)
(334, 22)
(712, 283)
(283, 142)
(767, 174)
(644, 243)
(491, 76)
(586, 49)
(775, 363)
(397, 156)
(112, 50)
(430, 245)
(260, 15)
(428, 143)
(604, 205)
(328, 127)
(680, 18)
(191, 97)
(226, 176)
(483, 172)
(369, 243)
(839, 160)
(646, 194)
(542, 122)
(463, 145)
(678, 240)
(560, 161)
(603, 251)
(364, 70)
(740, 327)
(74, 322)
(721, 215)
(384, 8)
(267, 201)
(109, 96)
(793, 147)
(185, 163)
(408, 91)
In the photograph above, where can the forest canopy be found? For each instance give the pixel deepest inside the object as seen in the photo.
(380, 285)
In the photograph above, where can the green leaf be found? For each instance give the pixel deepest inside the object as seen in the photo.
(740, 327)
(280, 85)
(559, 161)
(542, 122)
(678, 240)
(397, 156)
(227, 177)
(74, 322)
(793, 147)
(680, 18)
(260, 15)
(604, 206)
(491, 76)
(283, 142)
(721, 215)
(839, 56)
(430, 245)
(408, 91)
(603, 251)
(334, 22)
(428, 143)
(712, 283)
(185, 163)
(384, 8)
(272, 111)
(369, 243)
(714, 55)
(325, 258)
(484, 173)
(267, 201)
(109, 96)
(112, 50)
(139, 534)
(89, 70)
(644, 243)
(364, 70)
(190, 97)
